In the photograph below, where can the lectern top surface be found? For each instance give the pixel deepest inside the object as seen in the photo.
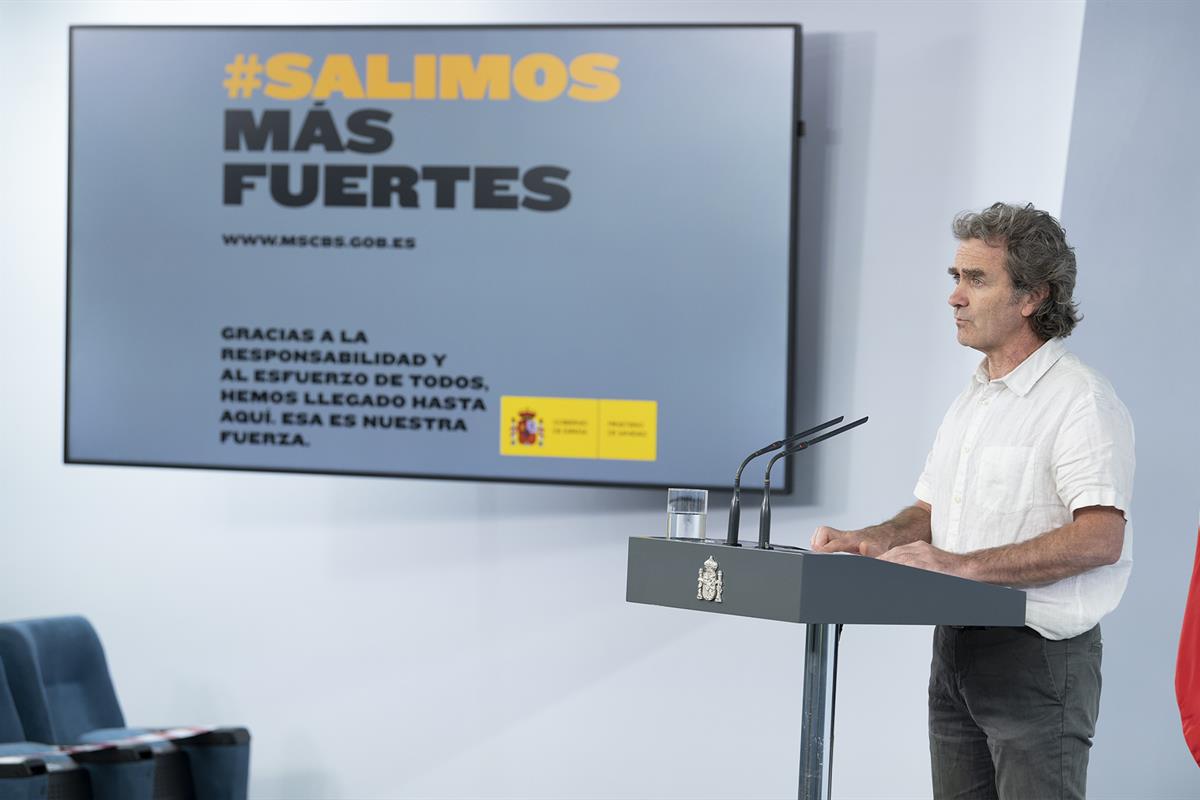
(797, 585)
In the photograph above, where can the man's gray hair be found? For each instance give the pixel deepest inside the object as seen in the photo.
(1037, 254)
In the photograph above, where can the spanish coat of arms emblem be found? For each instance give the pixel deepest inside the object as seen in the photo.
(710, 582)
(527, 429)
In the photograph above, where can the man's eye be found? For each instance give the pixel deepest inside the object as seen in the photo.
(977, 281)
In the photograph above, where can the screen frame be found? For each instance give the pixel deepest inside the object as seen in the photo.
(797, 131)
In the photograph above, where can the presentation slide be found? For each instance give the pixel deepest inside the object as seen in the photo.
(539, 254)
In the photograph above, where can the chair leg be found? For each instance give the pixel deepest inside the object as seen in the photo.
(219, 772)
(133, 780)
(33, 787)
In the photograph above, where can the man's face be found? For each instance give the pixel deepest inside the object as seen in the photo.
(986, 313)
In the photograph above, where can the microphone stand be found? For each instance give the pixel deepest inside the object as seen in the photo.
(764, 517)
(735, 505)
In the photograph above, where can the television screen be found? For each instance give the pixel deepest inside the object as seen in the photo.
(545, 254)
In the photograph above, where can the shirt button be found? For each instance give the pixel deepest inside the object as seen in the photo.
(958, 498)
(966, 449)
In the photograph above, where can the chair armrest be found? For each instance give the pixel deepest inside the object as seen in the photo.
(114, 755)
(216, 738)
(21, 767)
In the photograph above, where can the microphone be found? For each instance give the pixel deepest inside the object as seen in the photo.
(764, 518)
(735, 505)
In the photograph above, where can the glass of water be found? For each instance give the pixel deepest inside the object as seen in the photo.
(687, 510)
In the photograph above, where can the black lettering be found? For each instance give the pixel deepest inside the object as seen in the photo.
(377, 137)
(490, 182)
(444, 179)
(319, 129)
(398, 181)
(236, 183)
(240, 128)
(341, 185)
(555, 195)
(310, 183)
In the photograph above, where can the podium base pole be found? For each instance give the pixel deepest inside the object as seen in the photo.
(820, 683)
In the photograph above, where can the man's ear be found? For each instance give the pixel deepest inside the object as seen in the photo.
(1034, 299)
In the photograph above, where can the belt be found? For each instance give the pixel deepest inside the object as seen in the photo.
(992, 628)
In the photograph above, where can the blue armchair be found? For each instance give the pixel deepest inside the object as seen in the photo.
(63, 693)
(39, 771)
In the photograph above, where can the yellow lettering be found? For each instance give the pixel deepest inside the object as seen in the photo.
(491, 77)
(596, 78)
(289, 78)
(338, 74)
(554, 77)
(592, 77)
(379, 86)
(425, 77)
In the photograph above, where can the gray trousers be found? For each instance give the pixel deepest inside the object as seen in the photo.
(1012, 714)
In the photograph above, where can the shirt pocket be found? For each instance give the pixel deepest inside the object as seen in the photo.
(1005, 482)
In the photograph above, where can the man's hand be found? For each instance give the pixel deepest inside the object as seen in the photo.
(910, 525)
(831, 540)
(923, 555)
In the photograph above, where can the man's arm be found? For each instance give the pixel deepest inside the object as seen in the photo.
(910, 525)
(1092, 539)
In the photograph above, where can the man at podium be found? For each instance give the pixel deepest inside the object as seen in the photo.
(1028, 485)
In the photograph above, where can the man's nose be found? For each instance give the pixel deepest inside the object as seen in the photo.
(957, 299)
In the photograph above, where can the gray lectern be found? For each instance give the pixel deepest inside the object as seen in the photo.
(822, 590)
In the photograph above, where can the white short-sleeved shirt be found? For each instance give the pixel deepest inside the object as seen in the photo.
(1017, 456)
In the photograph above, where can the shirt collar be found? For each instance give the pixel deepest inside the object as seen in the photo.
(1022, 379)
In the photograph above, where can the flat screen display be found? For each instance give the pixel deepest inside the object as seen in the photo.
(544, 254)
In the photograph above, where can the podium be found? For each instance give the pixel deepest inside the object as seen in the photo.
(822, 591)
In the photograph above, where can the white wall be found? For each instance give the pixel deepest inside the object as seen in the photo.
(1131, 191)
(388, 638)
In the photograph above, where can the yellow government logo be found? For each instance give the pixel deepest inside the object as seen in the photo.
(577, 427)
